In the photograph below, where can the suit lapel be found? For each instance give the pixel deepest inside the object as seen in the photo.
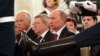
(65, 33)
(48, 37)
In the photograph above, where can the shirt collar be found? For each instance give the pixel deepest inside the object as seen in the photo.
(59, 31)
(43, 35)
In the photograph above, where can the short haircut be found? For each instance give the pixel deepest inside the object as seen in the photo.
(72, 20)
(93, 17)
(56, 3)
(43, 17)
(26, 13)
(62, 14)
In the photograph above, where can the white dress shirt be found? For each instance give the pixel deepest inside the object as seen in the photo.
(59, 32)
(43, 35)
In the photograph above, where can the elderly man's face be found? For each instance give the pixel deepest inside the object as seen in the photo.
(22, 22)
(55, 21)
(39, 26)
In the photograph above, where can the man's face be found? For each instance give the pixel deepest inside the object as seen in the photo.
(87, 22)
(17, 30)
(55, 21)
(38, 25)
(21, 22)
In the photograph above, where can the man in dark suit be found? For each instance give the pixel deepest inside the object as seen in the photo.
(41, 28)
(93, 7)
(88, 37)
(87, 22)
(90, 34)
(7, 34)
(57, 24)
(23, 21)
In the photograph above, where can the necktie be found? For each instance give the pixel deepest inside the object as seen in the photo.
(55, 36)
(38, 40)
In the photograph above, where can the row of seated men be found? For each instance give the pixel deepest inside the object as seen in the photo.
(44, 29)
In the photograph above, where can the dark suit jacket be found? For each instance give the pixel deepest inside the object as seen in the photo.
(19, 48)
(71, 51)
(7, 34)
(31, 34)
(65, 33)
(18, 51)
(22, 49)
(47, 37)
(89, 37)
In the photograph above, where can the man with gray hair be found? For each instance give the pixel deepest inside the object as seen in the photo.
(23, 23)
(23, 20)
(41, 28)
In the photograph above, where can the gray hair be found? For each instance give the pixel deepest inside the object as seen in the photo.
(43, 17)
(26, 13)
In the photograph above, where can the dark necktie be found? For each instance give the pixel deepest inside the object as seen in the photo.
(38, 40)
(55, 36)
